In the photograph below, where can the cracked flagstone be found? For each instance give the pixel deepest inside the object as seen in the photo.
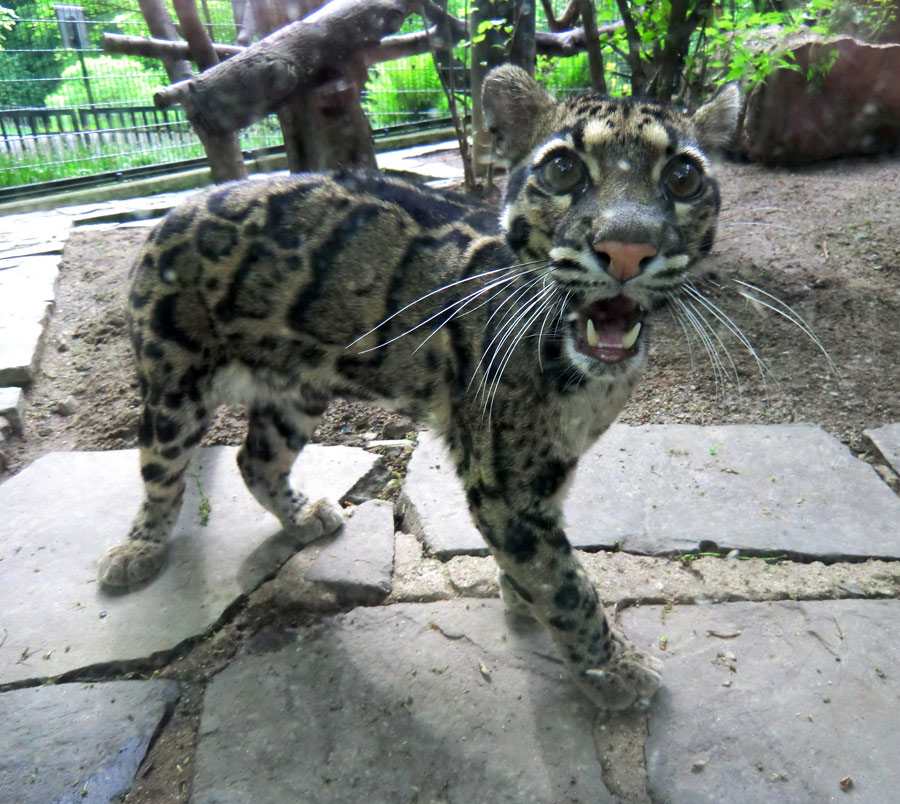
(65, 509)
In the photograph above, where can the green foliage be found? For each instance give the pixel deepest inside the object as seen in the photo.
(113, 79)
(730, 37)
(404, 90)
(486, 27)
(727, 44)
(87, 161)
(563, 75)
(7, 22)
(734, 57)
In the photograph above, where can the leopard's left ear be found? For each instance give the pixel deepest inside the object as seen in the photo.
(716, 119)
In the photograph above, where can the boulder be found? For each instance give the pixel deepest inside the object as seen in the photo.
(844, 100)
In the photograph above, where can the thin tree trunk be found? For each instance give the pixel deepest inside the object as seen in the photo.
(522, 41)
(592, 43)
(195, 34)
(635, 63)
(487, 51)
(681, 27)
(223, 149)
(160, 25)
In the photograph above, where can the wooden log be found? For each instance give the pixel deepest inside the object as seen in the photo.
(294, 59)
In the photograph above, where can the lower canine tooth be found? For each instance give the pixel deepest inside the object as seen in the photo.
(631, 336)
(592, 338)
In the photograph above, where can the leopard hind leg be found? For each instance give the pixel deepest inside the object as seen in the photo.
(276, 435)
(172, 425)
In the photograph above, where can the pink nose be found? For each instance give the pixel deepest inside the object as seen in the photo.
(624, 258)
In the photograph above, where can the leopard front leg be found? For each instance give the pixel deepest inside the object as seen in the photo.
(539, 569)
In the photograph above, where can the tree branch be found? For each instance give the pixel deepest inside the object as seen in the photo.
(634, 47)
(568, 18)
(160, 48)
(296, 58)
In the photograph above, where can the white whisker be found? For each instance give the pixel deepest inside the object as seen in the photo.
(720, 374)
(505, 329)
(786, 311)
(540, 300)
(443, 288)
(734, 329)
(461, 305)
(463, 301)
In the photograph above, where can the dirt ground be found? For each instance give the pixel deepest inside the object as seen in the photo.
(822, 239)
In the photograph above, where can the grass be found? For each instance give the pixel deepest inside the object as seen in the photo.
(77, 159)
(83, 161)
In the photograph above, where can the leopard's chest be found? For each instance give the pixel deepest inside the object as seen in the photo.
(585, 416)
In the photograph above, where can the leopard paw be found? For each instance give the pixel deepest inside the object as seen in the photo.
(315, 520)
(130, 563)
(627, 681)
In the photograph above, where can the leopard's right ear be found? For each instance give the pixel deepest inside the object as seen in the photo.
(717, 119)
(517, 109)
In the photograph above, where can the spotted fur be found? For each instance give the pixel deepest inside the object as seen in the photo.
(519, 341)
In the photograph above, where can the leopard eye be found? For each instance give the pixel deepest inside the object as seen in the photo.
(682, 178)
(562, 173)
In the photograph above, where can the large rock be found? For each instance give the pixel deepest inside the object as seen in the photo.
(819, 112)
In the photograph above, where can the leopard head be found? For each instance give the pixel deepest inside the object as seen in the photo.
(615, 196)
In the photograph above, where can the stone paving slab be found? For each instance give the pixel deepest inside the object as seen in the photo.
(774, 703)
(28, 235)
(433, 504)
(11, 403)
(78, 743)
(887, 440)
(417, 702)
(61, 512)
(26, 298)
(359, 562)
(439, 160)
(659, 489)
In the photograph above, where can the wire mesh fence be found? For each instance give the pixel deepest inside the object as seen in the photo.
(69, 110)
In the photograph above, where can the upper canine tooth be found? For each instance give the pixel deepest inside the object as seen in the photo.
(592, 338)
(631, 336)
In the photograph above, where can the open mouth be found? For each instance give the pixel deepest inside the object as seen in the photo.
(608, 330)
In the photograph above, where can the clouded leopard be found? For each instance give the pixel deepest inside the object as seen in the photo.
(519, 339)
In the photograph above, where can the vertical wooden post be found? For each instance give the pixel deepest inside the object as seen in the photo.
(223, 151)
(488, 51)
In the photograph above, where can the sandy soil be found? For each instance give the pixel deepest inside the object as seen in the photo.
(821, 239)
